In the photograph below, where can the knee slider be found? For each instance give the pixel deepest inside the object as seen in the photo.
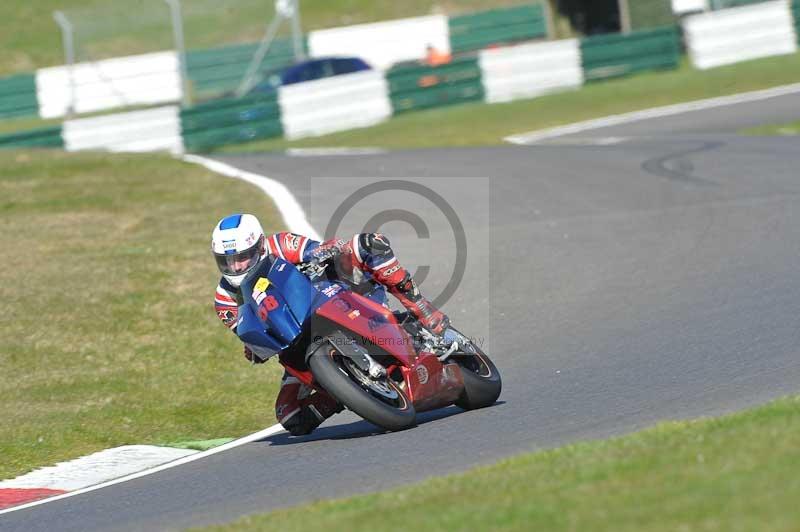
(302, 423)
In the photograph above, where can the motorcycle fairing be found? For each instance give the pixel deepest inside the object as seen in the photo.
(276, 322)
(251, 331)
(431, 384)
(373, 323)
(277, 299)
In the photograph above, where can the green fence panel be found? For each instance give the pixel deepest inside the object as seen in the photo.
(230, 121)
(497, 26)
(47, 137)
(608, 56)
(439, 96)
(421, 87)
(725, 4)
(18, 96)
(206, 140)
(229, 112)
(220, 70)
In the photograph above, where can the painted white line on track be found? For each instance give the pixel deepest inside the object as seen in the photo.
(587, 141)
(286, 203)
(180, 461)
(321, 152)
(656, 112)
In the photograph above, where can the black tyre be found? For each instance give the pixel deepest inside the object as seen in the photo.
(482, 382)
(381, 402)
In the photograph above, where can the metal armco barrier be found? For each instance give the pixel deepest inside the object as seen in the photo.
(47, 137)
(740, 34)
(614, 55)
(530, 70)
(87, 87)
(156, 129)
(231, 121)
(18, 96)
(421, 87)
(497, 27)
(333, 104)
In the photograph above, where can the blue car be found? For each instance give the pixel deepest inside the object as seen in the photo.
(308, 71)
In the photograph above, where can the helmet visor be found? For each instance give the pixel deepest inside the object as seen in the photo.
(238, 263)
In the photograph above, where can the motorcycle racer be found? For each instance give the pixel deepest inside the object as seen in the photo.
(238, 243)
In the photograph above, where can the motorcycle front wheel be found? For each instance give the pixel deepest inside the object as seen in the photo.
(379, 401)
(482, 382)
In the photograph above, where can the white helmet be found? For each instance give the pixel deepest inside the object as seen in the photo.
(238, 245)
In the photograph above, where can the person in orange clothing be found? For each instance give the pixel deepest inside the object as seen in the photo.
(434, 57)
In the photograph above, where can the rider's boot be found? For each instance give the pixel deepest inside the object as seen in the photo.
(301, 409)
(429, 316)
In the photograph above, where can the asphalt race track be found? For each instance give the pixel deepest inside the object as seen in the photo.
(652, 278)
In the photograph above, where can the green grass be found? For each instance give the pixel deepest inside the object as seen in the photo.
(201, 445)
(480, 124)
(110, 335)
(774, 129)
(739, 472)
(30, 38)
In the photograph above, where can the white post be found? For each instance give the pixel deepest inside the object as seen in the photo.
(180, 47)
(624, 16)
(297, 32)
(67, 38)
(549, 20)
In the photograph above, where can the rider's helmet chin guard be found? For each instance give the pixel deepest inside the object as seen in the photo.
(238, 244)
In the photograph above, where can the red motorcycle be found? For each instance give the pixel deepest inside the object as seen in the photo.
(344, 340)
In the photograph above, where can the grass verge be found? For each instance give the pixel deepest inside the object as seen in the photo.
(110, 335)
(774, 129)
(739, 472)
(456, 125)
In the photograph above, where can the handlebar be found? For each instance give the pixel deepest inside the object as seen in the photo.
(313, 269)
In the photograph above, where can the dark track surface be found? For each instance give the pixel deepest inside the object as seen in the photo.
(653, 279)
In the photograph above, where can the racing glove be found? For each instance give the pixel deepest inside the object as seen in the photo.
(325, 253)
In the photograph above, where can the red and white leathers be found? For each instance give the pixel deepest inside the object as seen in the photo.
(297, 408)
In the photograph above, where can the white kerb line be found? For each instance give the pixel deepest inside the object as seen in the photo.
(656, 112)
(175, 463)
(290, 209)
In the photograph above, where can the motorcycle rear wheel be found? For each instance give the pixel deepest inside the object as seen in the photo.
(380, 402)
